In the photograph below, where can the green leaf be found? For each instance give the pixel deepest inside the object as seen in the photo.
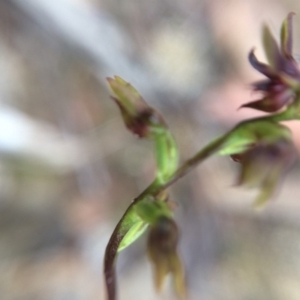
(151, 211)
(135, 231)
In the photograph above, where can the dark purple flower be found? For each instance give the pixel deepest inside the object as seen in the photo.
(283, 74)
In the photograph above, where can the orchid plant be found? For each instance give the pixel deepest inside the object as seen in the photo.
(262, 146)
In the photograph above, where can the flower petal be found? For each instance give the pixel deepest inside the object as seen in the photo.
(162, 244)
(265, 166)
(268, 188)
(287, 36)
(271, 49)
(127, 95)
(270, 103)
(252, 174)
(261, 67)
(262, 85)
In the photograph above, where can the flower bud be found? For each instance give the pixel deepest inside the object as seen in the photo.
(162, 244)
(138, 116)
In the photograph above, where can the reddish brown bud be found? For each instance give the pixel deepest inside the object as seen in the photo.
(162, 244)
(138, 116)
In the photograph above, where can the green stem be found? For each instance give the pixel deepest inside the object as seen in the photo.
(166, 154)
(155, 188)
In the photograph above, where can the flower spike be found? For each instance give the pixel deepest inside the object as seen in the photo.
(262, 146)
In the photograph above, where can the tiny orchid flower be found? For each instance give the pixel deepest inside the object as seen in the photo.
(283, 72)
(162, 244)
(265, 165)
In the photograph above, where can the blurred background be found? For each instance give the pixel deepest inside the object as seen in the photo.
(69, 168)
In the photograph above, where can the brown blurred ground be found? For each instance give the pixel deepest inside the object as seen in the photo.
(66, 185)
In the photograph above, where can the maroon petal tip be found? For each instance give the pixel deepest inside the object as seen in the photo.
(261, 67)
(262, 105)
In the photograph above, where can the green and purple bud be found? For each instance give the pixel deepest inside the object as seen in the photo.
(144, 121)
(138, 116)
